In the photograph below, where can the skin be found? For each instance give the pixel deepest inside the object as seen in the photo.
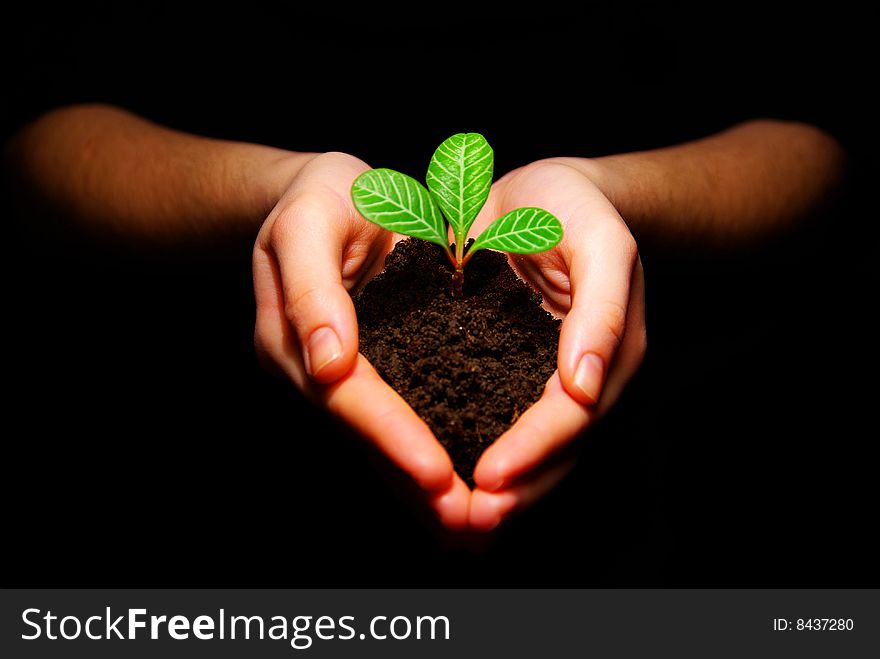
(116, 174)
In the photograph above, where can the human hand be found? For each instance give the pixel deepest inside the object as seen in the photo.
(310, 252)
(594, 280)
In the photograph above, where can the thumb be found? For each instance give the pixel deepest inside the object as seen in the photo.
(594, 327)
(308, 241)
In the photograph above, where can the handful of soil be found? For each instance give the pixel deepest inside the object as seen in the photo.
(468, 366)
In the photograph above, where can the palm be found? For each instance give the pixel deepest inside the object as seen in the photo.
(592, 280)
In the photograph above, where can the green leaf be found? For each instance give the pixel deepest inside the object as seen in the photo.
(459, 178)
(399, 203)
(521, 231)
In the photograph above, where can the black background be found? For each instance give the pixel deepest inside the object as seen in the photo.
(145, 446)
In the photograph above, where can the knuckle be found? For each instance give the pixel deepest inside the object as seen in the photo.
(539, 175)
(336, 170)
(301, 300)
(309, 208)
(544, 172)
(612, 317)
(282, 228)
(343, 159)
(629, 247)
(547, 167)
(618, 235)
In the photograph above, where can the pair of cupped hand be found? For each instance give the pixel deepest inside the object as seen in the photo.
(314, 248)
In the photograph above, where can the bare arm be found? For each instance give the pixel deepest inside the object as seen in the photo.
(752, 180)
(114, 172)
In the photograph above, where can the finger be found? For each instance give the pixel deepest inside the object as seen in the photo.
(542, 430)
(379, 414)
(453, 505)
(601, 270)
(632, 351)
(447, 506)
(308, 244)
(489, 509)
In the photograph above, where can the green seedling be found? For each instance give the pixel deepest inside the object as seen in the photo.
(459, 178)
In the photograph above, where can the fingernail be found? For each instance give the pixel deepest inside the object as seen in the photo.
(499, 476)
(324, 348)
(496, 484)
(588, 376)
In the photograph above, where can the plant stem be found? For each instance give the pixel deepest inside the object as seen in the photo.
(458, 273)
(452, 259)
(459, 248)
(460, 260)
(458, 280)
(463, 262)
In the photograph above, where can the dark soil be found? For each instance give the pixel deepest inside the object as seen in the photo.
(469, 366)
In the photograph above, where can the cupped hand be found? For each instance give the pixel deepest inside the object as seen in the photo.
(310, 252)
(593, 280)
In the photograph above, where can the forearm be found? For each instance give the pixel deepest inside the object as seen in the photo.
(116, 173)
(752, 180)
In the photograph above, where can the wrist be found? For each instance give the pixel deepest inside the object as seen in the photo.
(631, 183)
(274, 174)
(601, 172)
